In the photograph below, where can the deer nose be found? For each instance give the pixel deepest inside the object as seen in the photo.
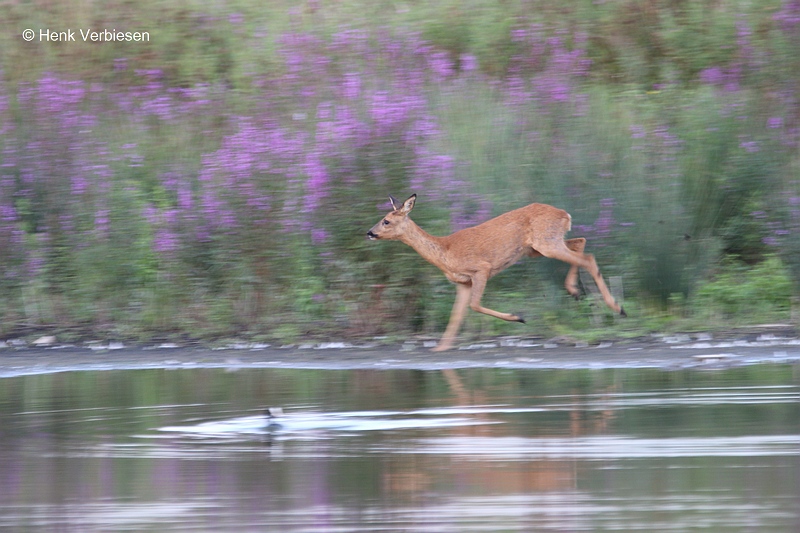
(371, 235)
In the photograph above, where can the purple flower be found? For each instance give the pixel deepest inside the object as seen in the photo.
(440, 64)
(8, 213)
(319, 235)
(155, 74)
(185, 198)
(517, 90)
(638, 132)
(468, 62)
(733, 75)
(728, 79)
(324, 111)
(560, 92)
(519, 36)
(35, 265)
(604, 222)
(432, 170)
(466, 215)
(712, 76)
(79, 184)
(775, 122)
(212, 207)
(317, 184)
(788, 18)
(160, 106)
(165, 241)
(750, 146)
(351, 85)
(384, 111)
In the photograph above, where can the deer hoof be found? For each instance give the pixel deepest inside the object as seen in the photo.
(575, 292)
(622, 312)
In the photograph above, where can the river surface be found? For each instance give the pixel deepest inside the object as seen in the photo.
(452, 450)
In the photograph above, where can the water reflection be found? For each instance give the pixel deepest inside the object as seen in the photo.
(476, 450)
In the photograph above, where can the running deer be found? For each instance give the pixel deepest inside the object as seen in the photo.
(471, 256)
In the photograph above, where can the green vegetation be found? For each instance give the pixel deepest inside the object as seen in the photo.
(218, 179)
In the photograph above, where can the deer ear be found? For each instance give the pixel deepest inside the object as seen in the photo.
(408, 205)
(395, 204)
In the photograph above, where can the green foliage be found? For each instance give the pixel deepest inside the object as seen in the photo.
(741, 293)
(671, 148)
(743, 233)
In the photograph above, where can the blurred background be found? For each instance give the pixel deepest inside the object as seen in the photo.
(218, 179)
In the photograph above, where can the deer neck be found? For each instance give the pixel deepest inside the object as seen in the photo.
(431, 248)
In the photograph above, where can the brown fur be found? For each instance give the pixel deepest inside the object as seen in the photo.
(470, 257)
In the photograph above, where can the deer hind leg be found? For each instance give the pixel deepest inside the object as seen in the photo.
(463, 292)
(478, 286)
(571, 283)
(560, 251)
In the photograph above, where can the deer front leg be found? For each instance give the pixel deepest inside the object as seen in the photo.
(463, 292)
(478, 286)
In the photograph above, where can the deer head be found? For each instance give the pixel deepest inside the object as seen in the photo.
(393, 225)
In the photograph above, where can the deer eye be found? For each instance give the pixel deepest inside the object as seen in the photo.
(385, 222)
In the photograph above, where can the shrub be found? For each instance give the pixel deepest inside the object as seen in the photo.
(742, 293)
(225, 183)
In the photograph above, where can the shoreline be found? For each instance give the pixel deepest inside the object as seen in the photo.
(671, 352)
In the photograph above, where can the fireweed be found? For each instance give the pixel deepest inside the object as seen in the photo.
(174, 207)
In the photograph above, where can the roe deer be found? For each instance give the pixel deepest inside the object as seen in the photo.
(471, 256)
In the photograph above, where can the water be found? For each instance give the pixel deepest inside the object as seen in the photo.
(424, 451)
